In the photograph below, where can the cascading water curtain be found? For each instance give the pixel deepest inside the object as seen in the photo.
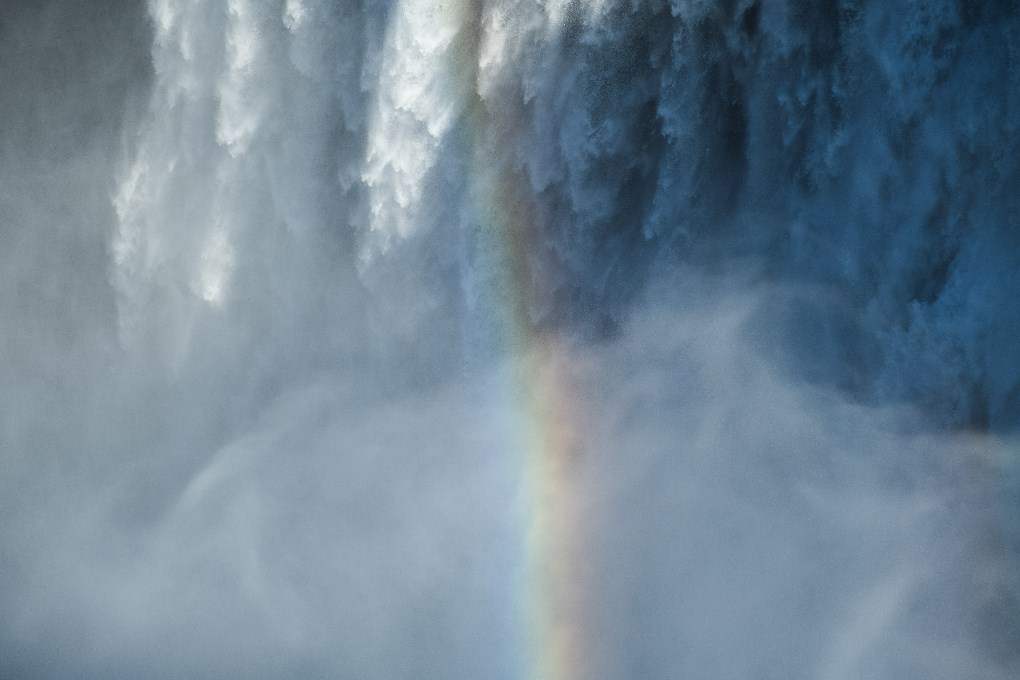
(510, 339)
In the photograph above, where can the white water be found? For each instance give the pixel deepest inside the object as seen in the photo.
(252, 422)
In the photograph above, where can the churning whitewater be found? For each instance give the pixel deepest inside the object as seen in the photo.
(510, 339)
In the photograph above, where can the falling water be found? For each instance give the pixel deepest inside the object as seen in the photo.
(546, 340)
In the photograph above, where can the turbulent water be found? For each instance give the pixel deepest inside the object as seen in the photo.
(273, 271)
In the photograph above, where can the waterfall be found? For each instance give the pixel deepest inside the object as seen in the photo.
(545, 339)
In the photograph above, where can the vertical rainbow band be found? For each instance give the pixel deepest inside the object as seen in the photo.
(539, 395)
(547, 404)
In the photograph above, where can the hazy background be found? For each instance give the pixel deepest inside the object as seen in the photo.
(255, 419)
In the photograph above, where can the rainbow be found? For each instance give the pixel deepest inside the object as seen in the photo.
(443, 67)
(549, 410)
(554, 540)
(542, 392)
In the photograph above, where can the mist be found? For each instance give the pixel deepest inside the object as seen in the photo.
(491, 339)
